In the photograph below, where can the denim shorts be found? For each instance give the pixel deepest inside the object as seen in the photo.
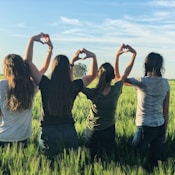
(54, 139)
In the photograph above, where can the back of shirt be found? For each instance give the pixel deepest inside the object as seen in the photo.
(14, 126)
(103, 107)
(151, 93)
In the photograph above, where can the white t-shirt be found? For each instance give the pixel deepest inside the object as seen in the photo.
(14, 126)
(151, 93)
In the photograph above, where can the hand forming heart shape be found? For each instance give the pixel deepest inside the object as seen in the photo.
(125, 48)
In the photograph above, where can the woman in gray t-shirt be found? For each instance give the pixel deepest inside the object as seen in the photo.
(153, 93)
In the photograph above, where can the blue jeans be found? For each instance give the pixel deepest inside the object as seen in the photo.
(100, 142)
(149, 141)
(54, 139)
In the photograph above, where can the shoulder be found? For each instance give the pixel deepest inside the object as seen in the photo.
(118, 83)
(44, 81)
(78, 83)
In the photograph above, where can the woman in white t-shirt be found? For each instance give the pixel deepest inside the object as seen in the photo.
(16, 97)
(153, 93)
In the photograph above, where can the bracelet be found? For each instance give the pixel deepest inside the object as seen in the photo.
(71, 65)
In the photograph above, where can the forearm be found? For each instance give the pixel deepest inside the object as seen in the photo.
(72, 71)
(71, 62)
(166, 117)
(46, 61)
(93, 67)
(29, 51)
(116, 67)
(166, 109)
(130, 65)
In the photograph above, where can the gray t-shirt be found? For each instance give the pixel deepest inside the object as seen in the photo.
(151, 93)
(14, 126)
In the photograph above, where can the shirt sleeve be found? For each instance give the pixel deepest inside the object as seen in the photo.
(78, 84)
(89, 92)
(136, 82)
(43, 82)
(119, 85)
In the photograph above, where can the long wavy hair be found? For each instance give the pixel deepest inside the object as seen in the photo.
(105, 75)
(60, 90)
(20, 90)
(154, 63)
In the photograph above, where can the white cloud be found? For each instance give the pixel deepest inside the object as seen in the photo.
(72, 31)
(164, 3)
(69, 20)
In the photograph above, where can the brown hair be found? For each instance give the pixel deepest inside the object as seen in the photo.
(20, 90)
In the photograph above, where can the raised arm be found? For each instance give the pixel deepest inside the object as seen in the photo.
(72, 62)
(48, 55)
(35, 73)
(93, 67)
(123, 49)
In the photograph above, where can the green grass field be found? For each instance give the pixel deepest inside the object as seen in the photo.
(1, 76)
(30, 162)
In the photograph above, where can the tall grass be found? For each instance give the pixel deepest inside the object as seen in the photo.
(17, 161)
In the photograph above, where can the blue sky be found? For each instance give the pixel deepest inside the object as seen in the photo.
(98, 25)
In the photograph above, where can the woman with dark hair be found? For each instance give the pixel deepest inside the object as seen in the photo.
(100, 130)
(16, 98)
(153, 93)
(58, 94)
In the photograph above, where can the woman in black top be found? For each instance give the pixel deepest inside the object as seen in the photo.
(58, 95)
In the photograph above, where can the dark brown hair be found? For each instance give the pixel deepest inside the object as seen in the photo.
(105, 75)
(60, 90)
(154, 63)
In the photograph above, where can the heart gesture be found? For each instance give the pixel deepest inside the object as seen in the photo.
(124, 48)
(79, 55)
(43, 38)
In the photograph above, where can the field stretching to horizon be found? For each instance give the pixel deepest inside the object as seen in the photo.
(29, 161)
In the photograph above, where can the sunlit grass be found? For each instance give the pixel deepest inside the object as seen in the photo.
(30, 161)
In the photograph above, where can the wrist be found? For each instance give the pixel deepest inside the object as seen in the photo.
(94, 56)
(32, 39)
(71, 65)
(50, 49)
